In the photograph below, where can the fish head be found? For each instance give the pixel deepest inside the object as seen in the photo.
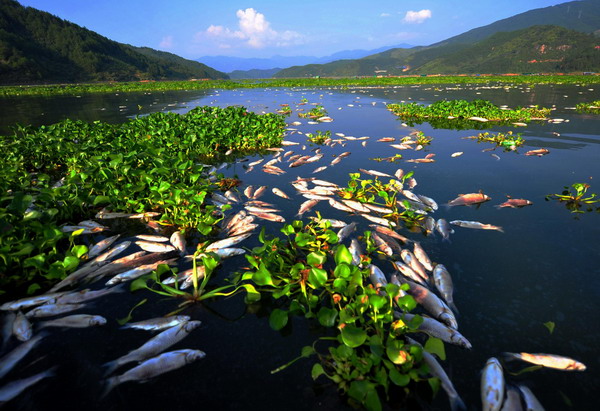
(191, 325)
(194, 355)
(97, 320)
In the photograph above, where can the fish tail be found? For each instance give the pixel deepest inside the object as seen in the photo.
(510, 356)
(500, 229)
(110, 367)
(456, 403)
(453, 307)
(110, 384)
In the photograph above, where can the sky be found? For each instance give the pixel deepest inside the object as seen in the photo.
(264, 28)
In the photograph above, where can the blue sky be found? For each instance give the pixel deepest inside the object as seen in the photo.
(263, 28)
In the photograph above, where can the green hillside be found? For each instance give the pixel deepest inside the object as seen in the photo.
(581, 16)
(37, 47)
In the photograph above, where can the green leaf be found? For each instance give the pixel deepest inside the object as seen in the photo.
(342, 271)
(140, 283)
(79, 250)
(353, 336)
(317, 277)
(372, 402)
(343, 255)
(358, 390)
(278, 319)
(316, 258)
(33, 288)
(252, 295)
(434, 383)
(550, 326)
(317, 370)
(377, 301)
(101, 200)
(70, 263)
(526, 370)
(327, 316)
(122, 321)
(307, 351)
(436, 346)
(262, 276)
(401, 380)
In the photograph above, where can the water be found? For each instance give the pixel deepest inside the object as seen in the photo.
(543, 268)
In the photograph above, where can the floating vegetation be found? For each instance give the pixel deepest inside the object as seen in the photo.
(315, 113)
(593, 107)
(444, 113)
(318, 137)
(391, 159)
(285, 109)
(421, 139)
(575, 200)
(67, 172)
(508, 140)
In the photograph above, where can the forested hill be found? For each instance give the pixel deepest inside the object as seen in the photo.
(37, 47)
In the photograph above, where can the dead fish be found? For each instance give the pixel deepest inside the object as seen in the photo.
(430, 202)
(512, 399)
(458, 153)
(77, 297)
(492, 385)
(84, 230)
(410, 195)
(355, 205)
(401, 146)
(152, 238)
(374, 173)
(269, 217)
(429, 225)
(539, 152)
(422, 256)
(306, 206)
(75, 321)
(443, 282)
(123, 264)
(335, 161)
(356, 251)
(178, 241)
(155, 247)
(386, 139)
(377, 209)
(437, 329)
(8, 361)
(158, 324)
(289, 143)
(377, 277)
(496, 156)
(259, 192)
(301, 161)
(409, 258)
(469, 199)
(102, 245)
(476, 224)
(382, 245)
(22, 328)
(103, 215)
(378, 220)
(249, 192)
(233, 196)
(444, 229)
(408, 272)
(514, 203)
(273, 170)
(28, 302)
(411, 183)
(49, 310)
(557, 362)
(344, 232)
(421, 160)
(280, 193)
(531, 402)
(319, 169)
(252, 209)
(219, 198)
(138, 272)
(228, 242)
(155, 345)
(391, 242)
(332, 222)
(153, 367)
(14, 388)
(399, 174)
(339, 206)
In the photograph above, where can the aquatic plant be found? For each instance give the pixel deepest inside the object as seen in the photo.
(575, 200)
(317, 112)
(507, 140)
(593, 107)
(318, 137)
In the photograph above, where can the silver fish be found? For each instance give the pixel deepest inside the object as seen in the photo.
(76, 297)
(255, 163)
(124, 263)
(269, 217)
(437, 329)
(399, 174)
(333, 223)
(558, 362)
(444, 229)
(280, 193)
(374, 173)
(377, 276)
(357, 206)
(410, 195)
(249, 192)
(408, 272)
(428, 201)
(14, 388)
(356, 251)
(443, 282)
(138, 272)
(155, 247)
(324, 183)
(49, 310)
(512, 399)
(409, 258)
(476, 224)
(259, 192)
(155, 345)
(158, 324)
(319, 169)
(252, 209)
(377, 209)
(346, 231)
(152, 238)
(389, 232)
(22, 328)
(178, 241)
(430, 225)
(422, 256)
(153, 367)
(75, 321)
(339, 206)
(228, 242)
(13, 357)
(100, 246)
(382, 245)
(29, 302)
(531, 402)
(432, 304)
(306, 206)
(492, 385)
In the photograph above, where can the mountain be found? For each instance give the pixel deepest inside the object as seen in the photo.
(229, 64)
(253, 74)
(582, 16)
(37, 47)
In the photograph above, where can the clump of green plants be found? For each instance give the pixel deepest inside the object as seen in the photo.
(391, 159)
(575, 198)
(285, 109)
(422, 139)
(449, 111)
(508, 140)
(593, 107)
(363, 348)
(316, 112)
(318, 137)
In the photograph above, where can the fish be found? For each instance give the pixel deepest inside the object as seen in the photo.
(220, 198)
(391, 242)
(230, 251)
(228, 242)
(75, 321)
(386, 139)
(436, 329)
(14, 388)
(104, 215)
(280, 193)
(155, 247)
(356, 251)
(9, 360)
(125, 263)
(49, 310)
(288, 153)
(421, 160)
(469, 199)
(429, 225)
(231, 221)
(346, 231)
(243, 228)
(411, 182)
(335, 161)
(409, 258)
(152, 238)
(102, 245)
(374, 173)
(477, 225)
(531, 402)
(456, 403)
(444, 229)
(249, 192)
(408, 272)
(443, 282)
(377, 209)
(252, 209)
(389, 232)
(402, 146)
(399, 174)
(8, 320)
(314, 158)
(378, 220)
(429, 202)
(259, 192)
(289, 143)
(233, 196)
(539, 152)
(301, 161)
(319, 169)
(306, 206)
(496, 156)
(273, 170)
(269, 217)
(411, 196)
(355, 205)
(382, 245)
(84, 230)
(432, 304)
(22, 328)
(558, 362)
(177, 239)
(339, 206)
(324, 183)
(458, 153)
(155, 345)
(29, 302)
(153, 367)
(512, 399)
(514, 203)
(138, 271)
(377, 276)
(158, 324)
(492, 385)
(110, 254)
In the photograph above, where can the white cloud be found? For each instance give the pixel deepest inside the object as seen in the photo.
(166, 42)
(254, 30)
(417, 16)
(385, 15)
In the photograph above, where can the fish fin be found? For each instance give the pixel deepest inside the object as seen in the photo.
(110, 384)
(510, 356)
(500, 229)
(498, 206)
(457, 404)
(453, 307)
(111, 367)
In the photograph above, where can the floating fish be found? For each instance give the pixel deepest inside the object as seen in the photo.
(155, 247)
(158, 324)
(280, 193)
(437, 329)
(539, 152)
(409, 258)
(253, 209)
(306, 206)
(21, 328)
(102, 245)
(49, 310)
(477, 225)
(344, 232)
(382, 245)
(137, 272)
(28, 302)
(8, 361)
(356, 251)
(469, 199)
(377, 209)
(374, 173)
(259, 192)
(75, 321)
(409, 273)
(339, 206)
(443, 282)
(386, 139)
(178, 241)
(444, 229)
(228, 242)
(557, 362)
(389, 232)
(249, 192)
(458, 153)
(152, 238)
(378, 220)
(319, 169)
(377, 277)
(422, 256)
(515, 203)
(531, 402)
(14, 388)
(269, 217)
(492, 385)
(355, 205)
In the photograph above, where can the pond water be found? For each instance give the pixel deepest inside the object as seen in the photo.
(544, 267)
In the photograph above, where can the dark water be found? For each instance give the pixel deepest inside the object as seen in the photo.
(545, 267)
